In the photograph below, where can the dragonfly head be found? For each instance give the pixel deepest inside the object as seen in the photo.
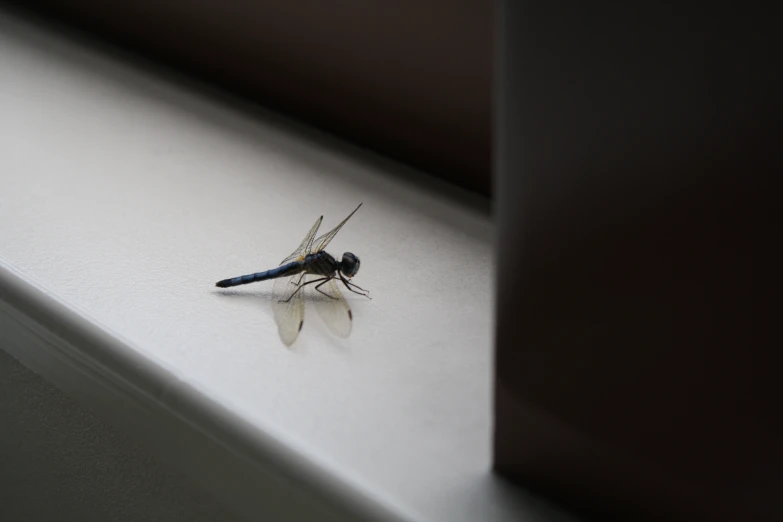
(349, 265)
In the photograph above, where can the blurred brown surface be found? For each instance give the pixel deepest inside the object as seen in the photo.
(636, 377)
(408, 79)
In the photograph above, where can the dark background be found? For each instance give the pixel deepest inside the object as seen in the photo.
(408, 79)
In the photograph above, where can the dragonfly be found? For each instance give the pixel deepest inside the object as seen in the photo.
(310, 267)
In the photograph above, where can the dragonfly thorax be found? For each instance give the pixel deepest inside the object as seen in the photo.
(349, 265)
(321, 263)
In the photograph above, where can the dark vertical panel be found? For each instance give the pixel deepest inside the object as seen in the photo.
(634, 145)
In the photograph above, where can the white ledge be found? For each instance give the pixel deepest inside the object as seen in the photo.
(125, 197)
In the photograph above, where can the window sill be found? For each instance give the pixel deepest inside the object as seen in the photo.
(126, 198)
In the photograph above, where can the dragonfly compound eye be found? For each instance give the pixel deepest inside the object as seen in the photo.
(349, 265)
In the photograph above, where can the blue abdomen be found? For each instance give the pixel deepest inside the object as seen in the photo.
(289, 269)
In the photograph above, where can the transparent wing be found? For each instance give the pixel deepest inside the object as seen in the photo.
(322, 241)
(334, 310)
(289, 311)
(305, 247)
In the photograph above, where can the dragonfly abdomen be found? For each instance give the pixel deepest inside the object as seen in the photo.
(289, 269)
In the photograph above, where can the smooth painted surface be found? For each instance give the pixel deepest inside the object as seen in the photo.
(125, 198)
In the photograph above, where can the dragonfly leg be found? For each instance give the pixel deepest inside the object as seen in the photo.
(357, 286)
(323, 279)
(321, 291)
(299, 280)
(348, 285)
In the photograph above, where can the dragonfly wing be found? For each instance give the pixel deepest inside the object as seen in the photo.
(306, 245)
(334, 310)
(288, 310)
(320, 243)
